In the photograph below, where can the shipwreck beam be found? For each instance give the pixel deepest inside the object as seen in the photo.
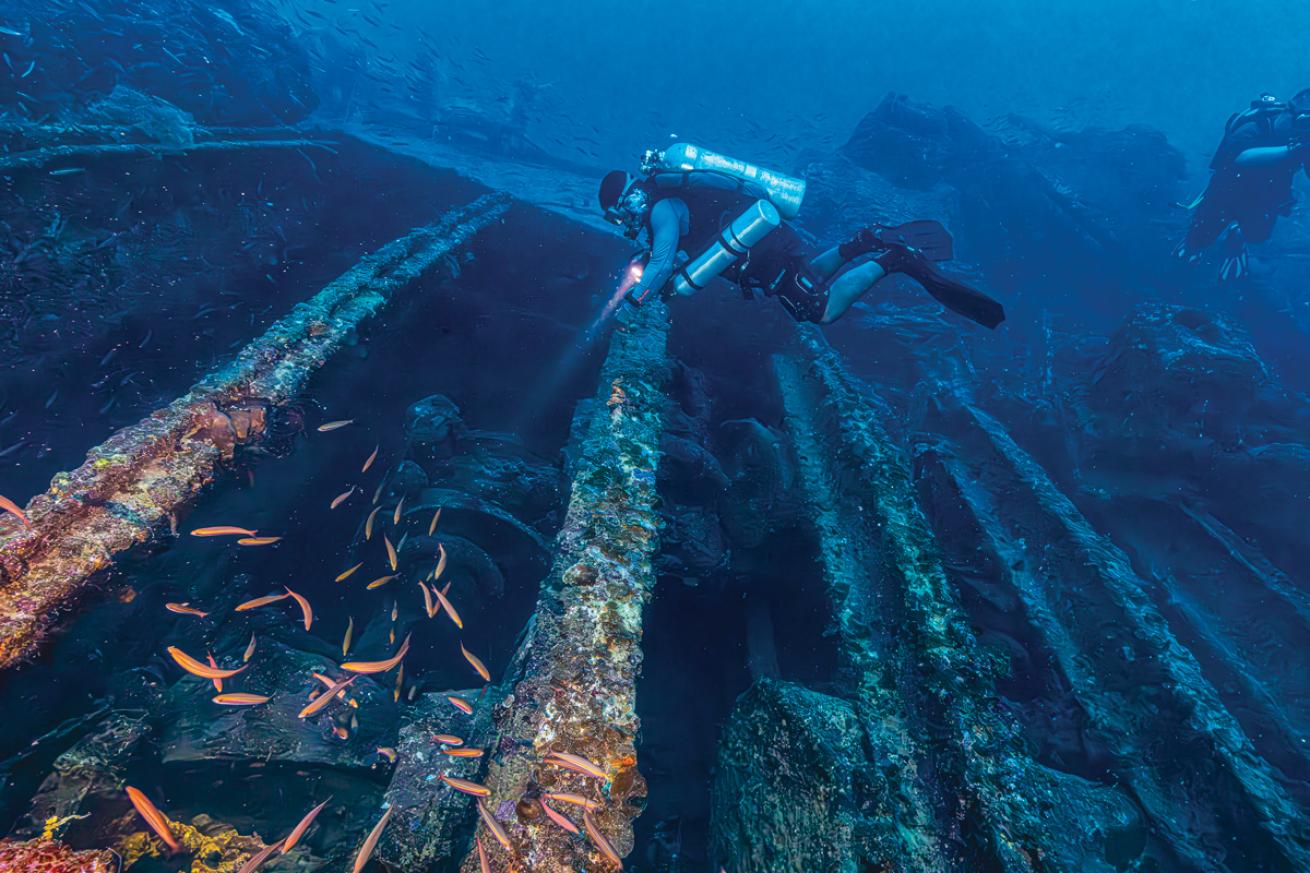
(131, 485)
(575, 688)
(1184, 756)
(35, 159)
(961, 786)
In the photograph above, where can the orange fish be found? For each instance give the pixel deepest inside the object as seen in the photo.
(494, 826)
(258, 541)
(340, 733)
(345, 641)
(463, 753)
(391, 552)
(195, 668)
(368, 525)
(299, 830)
(441, 562)
(378, 666)
(341, 498)
(261, 601)
(157, 820)
(218, 683)
(448, 739)
(327, 683)
(371, 458)
(378, 493)
(577, 764)
(598, 838)
(223, 530)
(450, 610)
(318, 703)
(366, 850)
(436, 516)
(305, 609)
(388, 753)
(257, 860)
(184, 609)
(345, 574)
(466, 786)
(476, 662)
(557, 817)
(240, 699)
(483, 865)
(250, 650)
(13, 509)
(335, 425)
(574, 799)
(395, 516)
(379, 582)
(427, 599)
(461, 704)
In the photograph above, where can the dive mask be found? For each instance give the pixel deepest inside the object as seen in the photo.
(630, 212)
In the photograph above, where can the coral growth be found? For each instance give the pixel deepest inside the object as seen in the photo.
(48, 856)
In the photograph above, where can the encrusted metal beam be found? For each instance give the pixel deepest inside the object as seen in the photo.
(922, 687)
(35, 159)
(131, 485)
(575, 691)
(1185, 757)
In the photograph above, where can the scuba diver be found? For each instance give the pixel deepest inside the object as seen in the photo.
(731, 217)
(1251, 178)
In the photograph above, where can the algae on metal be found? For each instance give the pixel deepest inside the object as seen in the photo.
(963, 790)
(574, 689)
(132, 485)
(1133, 678)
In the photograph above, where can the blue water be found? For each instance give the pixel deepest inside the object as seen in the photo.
(1102, 500)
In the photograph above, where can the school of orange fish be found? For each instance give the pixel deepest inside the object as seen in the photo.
(435, 601)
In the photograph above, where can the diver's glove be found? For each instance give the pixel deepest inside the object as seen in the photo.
(1234, 266)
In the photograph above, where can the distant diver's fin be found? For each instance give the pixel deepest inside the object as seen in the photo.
(930, 238)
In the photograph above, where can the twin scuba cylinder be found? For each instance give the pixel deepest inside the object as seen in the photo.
(780, 196)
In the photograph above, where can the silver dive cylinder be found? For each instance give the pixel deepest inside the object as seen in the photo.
(783, 191)
(735, 241)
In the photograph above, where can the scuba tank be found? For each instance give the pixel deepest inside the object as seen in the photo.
(785, 192)
(734, 242)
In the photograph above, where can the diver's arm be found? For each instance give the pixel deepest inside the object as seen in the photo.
(665, 231)
(1269, 156)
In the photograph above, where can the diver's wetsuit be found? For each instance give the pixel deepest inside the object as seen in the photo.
(779, 265)
(691, 210)
(1251, 186)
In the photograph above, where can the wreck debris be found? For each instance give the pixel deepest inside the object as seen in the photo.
(49, 856)
(574, 678)
(921, 689)
(1116, 652)
(131, 484)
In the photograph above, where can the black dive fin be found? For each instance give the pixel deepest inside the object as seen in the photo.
(959, 297)
(930, 238)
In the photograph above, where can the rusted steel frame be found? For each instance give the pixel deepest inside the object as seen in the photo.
(132, 485)
(576, 689)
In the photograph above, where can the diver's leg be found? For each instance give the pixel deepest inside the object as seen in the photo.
(825, 264)
(849, 287)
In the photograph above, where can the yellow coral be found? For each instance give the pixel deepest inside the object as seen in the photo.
(213, 846)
